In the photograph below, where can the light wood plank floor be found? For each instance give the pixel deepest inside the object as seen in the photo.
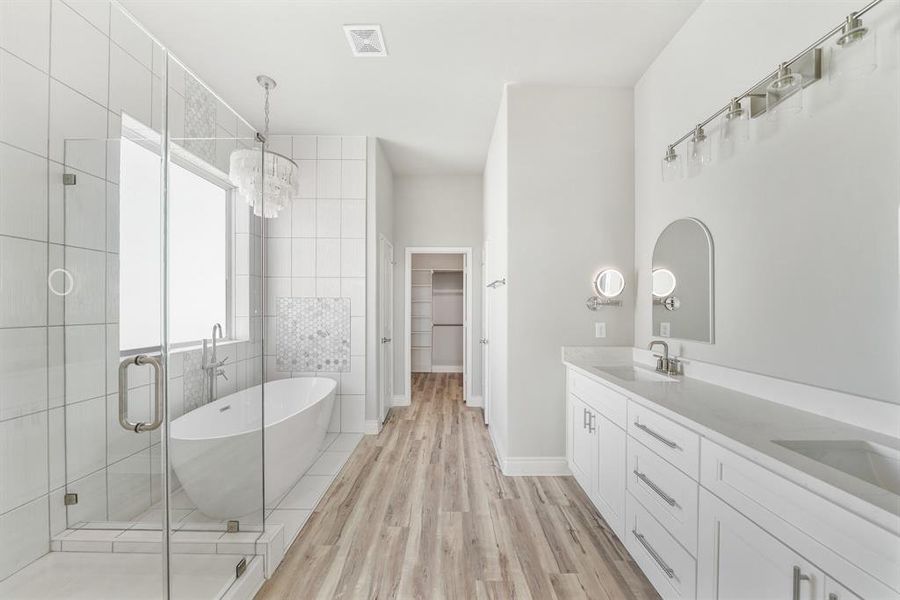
(422, 511)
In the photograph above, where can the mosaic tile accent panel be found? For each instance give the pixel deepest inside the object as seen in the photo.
(199, 120)
(312, 334)
(194, 381)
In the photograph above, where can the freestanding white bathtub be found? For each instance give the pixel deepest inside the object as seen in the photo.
(216, 449)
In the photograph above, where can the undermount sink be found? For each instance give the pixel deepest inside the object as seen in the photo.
(874, 463)
(628, 373)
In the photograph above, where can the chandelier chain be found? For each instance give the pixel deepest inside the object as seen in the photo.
(267, 114)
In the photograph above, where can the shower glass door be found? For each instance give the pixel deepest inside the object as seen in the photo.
(104, 268)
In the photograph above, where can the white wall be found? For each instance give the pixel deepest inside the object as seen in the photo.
(570, 216)
(437, 211)
(804, 219)
(380, 224)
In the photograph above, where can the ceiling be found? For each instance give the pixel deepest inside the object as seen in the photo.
(434, 99)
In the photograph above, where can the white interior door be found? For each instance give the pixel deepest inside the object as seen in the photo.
(386, 328)
(485, 332)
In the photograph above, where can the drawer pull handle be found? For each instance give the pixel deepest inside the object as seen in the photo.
(650, 432)
(669, 499)
(662, 564)
(798, 577)
(586, 419)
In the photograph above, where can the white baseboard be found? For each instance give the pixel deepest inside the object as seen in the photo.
(446, 368)
(372, 427)
(400, 401)
(475, 401)
(536, 466)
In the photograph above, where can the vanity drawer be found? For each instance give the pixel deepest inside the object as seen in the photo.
(667, 493)
(668, 566)
(675, 443)
(610, 404)
(848, 547)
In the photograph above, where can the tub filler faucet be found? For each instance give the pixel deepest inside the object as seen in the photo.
(211, 363)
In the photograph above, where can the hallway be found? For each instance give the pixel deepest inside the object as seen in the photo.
(422, 511)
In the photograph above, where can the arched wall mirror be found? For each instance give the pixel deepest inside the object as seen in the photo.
(682, 282)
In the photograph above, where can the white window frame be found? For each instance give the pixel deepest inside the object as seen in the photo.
(138, 133)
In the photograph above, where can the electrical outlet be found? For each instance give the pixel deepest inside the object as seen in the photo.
(600, 330)
(664, 329)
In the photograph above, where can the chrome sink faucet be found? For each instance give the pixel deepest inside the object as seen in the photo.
(665, 364)
(211, 363)
(662, 362)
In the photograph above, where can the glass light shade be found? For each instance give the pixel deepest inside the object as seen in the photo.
(784, 95)
(734, 129)
(671, 167)
(269, 189)
(854, 55)
(699, 153)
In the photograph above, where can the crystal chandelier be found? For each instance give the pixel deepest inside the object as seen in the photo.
(266, 180)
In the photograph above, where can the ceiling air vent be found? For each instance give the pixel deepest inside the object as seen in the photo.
(365, 40)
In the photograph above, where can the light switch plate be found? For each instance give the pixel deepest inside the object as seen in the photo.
(600, 330)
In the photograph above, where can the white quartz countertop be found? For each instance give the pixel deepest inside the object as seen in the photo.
(748, 425)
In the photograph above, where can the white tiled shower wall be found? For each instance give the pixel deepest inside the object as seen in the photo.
(317, 248)
(69, 72)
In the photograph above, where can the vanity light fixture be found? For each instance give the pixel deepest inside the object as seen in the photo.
(734, 129)
(671, 165)
(785, 93)
(854, 53)
(699, 152)
(781, 90)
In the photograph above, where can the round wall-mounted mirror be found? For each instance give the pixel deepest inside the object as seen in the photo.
(663, 282)
(609, 283)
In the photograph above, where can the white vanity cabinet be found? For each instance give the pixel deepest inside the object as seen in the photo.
(583, 444)
(596, 448)
(702, 520)
(738, 559)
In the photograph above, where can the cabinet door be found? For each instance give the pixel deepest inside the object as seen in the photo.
(584, 446)
(610, 473)
(736, 559)
(835, 591)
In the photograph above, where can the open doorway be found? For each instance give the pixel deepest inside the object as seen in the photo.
(438, 316)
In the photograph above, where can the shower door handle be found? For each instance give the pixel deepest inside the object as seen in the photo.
(159, 379)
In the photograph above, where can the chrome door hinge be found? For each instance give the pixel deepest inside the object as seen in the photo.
(70, 499)
(240, 568)
(69, 178)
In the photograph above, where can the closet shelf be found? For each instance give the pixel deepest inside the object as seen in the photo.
(447, 324)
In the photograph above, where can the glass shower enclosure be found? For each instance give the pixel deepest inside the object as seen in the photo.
(154, 334)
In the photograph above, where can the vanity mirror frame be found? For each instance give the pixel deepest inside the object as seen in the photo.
(711, 275)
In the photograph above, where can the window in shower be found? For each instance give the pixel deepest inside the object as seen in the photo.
(199, 250)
